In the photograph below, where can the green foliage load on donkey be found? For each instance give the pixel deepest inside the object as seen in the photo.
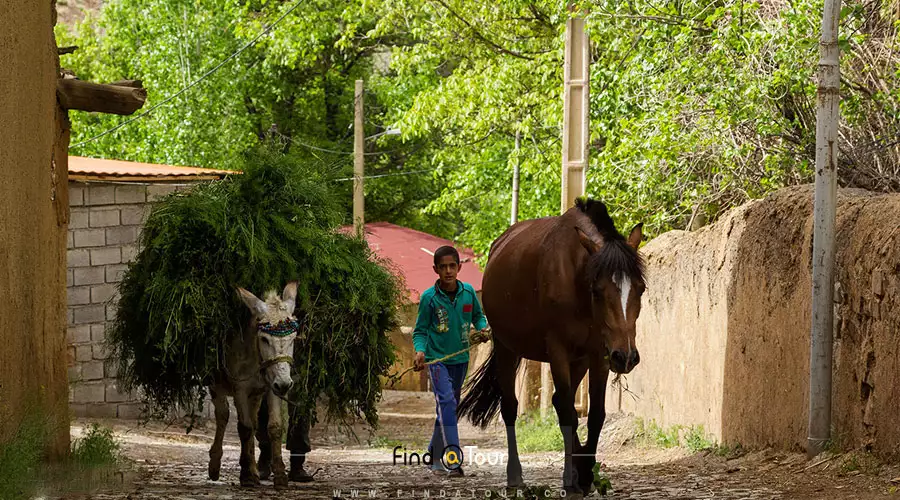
(273, 223)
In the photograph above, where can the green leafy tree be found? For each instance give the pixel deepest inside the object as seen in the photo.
(695, 106)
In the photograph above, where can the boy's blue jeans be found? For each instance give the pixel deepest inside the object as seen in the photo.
(446, 381)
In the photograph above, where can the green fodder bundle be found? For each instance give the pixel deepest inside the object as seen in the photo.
(272, 224)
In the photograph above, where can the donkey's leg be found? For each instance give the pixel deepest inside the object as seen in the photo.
(275, 430)
(247, 407)
(599, 375)
(507, 362)
(220, 403)
(264, 463)
(564, 403)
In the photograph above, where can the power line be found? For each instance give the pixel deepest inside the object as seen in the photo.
(298, 142)
(195, 82)
(413, 172)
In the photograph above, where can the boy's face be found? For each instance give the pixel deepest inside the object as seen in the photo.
(447, 268)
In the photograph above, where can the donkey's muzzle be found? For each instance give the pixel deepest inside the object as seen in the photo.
(623, 361)
(282, 387)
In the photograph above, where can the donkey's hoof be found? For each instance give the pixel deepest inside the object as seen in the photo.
(281, 481)
(265, 470)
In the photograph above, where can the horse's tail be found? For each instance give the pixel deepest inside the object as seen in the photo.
(482, 400)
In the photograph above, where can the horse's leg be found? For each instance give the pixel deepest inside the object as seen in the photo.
(274, 431)
(564, 403)
(507, 363)
(264, 463)
(597, 379)
(220, 403)
(247, 407)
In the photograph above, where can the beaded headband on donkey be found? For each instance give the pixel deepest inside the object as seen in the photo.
(283, 328)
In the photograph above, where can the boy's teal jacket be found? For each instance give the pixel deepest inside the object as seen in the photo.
(442, 327)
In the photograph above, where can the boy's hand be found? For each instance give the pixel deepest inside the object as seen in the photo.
(419, 362)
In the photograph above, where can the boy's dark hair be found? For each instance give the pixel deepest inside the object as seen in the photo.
(445, 251)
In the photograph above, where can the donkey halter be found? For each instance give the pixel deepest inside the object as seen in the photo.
(283, 328)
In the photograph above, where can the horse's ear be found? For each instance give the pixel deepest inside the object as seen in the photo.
(590, 245)
(636, 236)
(289, 296)
(257, 306)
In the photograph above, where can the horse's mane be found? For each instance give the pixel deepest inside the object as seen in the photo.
(616, 258)
(599, 215)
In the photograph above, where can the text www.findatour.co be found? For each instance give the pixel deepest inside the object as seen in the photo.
(441, 493)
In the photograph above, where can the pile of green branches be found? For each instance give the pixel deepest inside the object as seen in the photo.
(273, 223)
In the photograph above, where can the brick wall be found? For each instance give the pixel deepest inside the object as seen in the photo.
(105, 222)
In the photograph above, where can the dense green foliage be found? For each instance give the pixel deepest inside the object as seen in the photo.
(272, 224)
(695, 106)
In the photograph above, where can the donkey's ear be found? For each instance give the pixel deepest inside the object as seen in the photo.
(257, 306)
(589, 244)
(636, 236)
(289, 296)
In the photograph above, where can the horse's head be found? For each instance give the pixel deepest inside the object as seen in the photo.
(276, 331)
(615, 274)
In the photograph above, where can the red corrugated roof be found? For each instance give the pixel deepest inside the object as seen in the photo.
(81, 168)
(406, 249)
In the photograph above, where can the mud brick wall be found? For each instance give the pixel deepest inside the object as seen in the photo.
(724, 331)
(104, 226)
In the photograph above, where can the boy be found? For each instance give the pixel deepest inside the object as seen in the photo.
(446, 312)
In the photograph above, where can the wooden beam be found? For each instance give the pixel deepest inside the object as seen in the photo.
(128, 83)
(87, 96)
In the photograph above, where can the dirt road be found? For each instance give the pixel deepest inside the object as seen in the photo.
(166, 463)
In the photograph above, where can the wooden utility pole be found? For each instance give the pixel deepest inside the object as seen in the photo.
(358, 161)
(576, 99)
(575, 138)
(828, 114)
(514, 210)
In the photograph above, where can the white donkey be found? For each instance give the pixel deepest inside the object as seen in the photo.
(257, 364)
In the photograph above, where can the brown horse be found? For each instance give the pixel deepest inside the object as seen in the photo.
(564, 290)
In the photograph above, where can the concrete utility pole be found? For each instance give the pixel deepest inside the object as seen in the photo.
(575, 139)
(514, 212)
(358, 161)
(828, 116)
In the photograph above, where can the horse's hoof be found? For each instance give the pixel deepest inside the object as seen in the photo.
(214, 471)
(516, 484)
(250, 481)
(576, 495)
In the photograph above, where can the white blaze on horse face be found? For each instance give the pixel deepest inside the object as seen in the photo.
(624, 284)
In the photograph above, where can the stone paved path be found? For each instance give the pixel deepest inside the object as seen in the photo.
(167, 464)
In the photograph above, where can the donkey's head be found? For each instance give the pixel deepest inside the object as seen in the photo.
(615, 273)
(276, 331)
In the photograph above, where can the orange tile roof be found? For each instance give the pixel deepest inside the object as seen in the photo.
(94, 169)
